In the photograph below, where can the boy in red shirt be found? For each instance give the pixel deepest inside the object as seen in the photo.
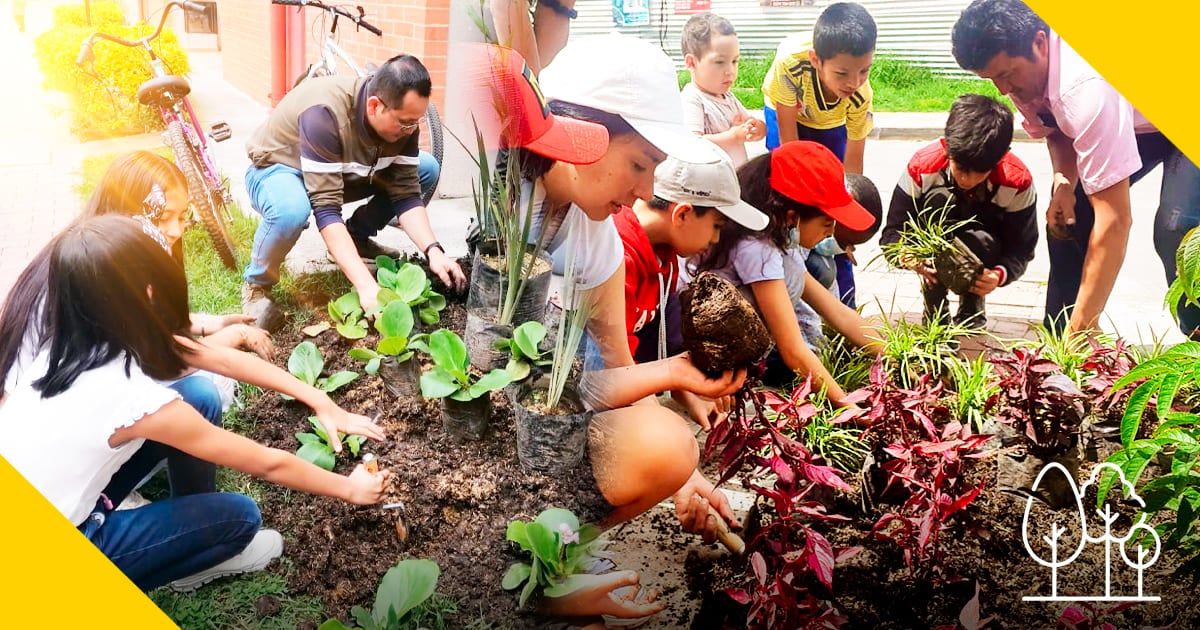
(690, 205)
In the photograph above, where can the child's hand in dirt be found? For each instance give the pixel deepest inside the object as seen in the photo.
(606, 594)
(986, 282)
(257, 340)
(691, 506)
(366, 487)
(334, 419)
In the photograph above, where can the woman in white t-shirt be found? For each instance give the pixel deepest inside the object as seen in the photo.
(95, 318)
(640, 452)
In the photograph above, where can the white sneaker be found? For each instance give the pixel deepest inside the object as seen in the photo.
(266, 546)
(133, 501)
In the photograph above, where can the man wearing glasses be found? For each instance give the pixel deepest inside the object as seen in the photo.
(334, 140)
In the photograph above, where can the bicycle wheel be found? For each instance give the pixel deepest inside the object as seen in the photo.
(208, 203)
(431, 129)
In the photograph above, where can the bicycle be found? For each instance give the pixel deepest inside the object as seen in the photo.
(327, 65)
(209, 196)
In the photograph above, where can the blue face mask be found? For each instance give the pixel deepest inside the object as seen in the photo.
(829, 247)
(793, 237)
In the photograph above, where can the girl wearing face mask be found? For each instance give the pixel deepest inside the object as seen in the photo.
(801, 187)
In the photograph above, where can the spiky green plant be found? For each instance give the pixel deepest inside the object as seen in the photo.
(504, 219)
(973, 385)
(912, 350)
(924, 237)
(849, 365)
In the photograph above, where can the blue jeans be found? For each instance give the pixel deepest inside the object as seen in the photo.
(832, 139)
(1178, 212)
(277, 193)
(187, 474)
(174, 538)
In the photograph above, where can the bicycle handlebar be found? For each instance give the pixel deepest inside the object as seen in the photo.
(85, 49)
(357, 19)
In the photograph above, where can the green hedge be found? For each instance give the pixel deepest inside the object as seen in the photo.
(103, 98)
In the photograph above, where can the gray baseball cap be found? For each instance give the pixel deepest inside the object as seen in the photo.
(713, 184)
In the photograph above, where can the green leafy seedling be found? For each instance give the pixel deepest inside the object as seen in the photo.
(347, 315)
(316, 448)
(450, 376)
(403, 590)
(560, 551)
(524, 349)
(394, 325)
(410, 284)
(306, 363)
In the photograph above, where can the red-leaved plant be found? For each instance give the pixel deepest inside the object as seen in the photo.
(786, 554)
(1104, 367)
(928, 462)
(1038, 400)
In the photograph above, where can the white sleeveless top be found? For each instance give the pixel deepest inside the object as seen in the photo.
(60, 444)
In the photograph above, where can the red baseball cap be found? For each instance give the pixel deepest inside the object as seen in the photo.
(511, 111)
(810, 174)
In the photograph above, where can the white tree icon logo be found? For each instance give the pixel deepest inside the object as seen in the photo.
(1142, 538)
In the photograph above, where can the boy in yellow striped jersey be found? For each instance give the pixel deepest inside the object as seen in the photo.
(822, 84)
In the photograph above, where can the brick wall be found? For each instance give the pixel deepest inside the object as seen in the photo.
(416, 27)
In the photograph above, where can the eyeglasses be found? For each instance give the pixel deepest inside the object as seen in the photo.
(403, 127)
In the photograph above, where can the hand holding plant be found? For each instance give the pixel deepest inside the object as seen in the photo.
(560, 552)
(322, 447)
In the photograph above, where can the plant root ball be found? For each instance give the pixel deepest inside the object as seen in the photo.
(721, 330)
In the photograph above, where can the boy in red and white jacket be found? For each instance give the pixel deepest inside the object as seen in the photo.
(972, 169)
(690, 205)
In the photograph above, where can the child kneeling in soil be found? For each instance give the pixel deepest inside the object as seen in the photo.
(972, 173)
(801, 188)
(154, 192)
(691, 204)
(80, 403)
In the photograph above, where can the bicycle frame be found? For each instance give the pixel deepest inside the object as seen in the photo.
(181, 109)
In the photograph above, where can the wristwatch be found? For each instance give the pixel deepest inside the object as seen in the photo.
(558, 8)
(431, 246)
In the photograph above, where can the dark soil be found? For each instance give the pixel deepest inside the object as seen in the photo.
(874, 588)
(721, 330)
(459, 497)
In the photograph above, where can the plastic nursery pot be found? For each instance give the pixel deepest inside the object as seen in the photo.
(481, 335)
(1017, 471)
(403, 380)
(488, 285)
(549, 443)
(467, 420)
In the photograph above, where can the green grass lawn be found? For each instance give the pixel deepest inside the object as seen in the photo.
(899, 86)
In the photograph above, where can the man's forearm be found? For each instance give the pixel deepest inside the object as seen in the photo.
(551, 29)
(1106, 254)
(1062, 157)
(415, 223)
